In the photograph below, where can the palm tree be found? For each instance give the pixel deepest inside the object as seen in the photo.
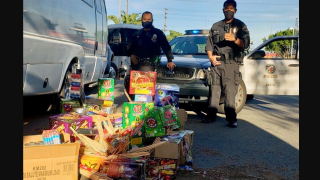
(133, 18)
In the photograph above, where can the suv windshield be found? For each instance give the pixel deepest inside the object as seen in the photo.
(189, 45)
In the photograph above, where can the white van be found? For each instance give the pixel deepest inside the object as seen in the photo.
(118, 37)
(57, 34)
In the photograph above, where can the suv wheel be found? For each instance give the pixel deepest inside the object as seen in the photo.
(241, 98)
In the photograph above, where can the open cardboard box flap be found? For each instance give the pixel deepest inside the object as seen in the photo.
(50, 162)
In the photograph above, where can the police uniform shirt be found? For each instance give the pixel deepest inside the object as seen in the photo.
(216, 36)
(146, 44)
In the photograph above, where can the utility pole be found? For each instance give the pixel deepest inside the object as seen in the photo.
(165, 17)
(119, 11)
(297, 24)
(271, 25)
(127, 6)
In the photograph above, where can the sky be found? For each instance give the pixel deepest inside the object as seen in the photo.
(262, 17)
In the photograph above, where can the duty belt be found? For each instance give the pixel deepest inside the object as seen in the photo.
(148, 61)
(228, 58)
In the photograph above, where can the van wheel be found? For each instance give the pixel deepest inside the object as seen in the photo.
(65, 89)
(113, 72)
(241, 98)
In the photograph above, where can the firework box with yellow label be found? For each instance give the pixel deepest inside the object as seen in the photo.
(169, 116)
(142, 82)
(66, 105)
(166, 95)
(133, 121)
(63, 122)
(106, 89)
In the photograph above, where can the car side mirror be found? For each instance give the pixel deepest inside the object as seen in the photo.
(258, 54)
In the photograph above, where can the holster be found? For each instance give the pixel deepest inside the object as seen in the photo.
(211, 78)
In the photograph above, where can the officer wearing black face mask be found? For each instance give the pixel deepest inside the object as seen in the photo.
(144, 47)
(226, 42)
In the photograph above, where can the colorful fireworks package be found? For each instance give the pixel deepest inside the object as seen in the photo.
(142, 82)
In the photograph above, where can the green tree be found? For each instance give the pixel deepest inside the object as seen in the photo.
(133, 18)
(173, 34)
(280, 47)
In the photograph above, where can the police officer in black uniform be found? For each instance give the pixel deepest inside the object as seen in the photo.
(226, 43)
(144, 48)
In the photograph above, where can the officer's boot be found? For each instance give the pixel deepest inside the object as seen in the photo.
(231, 117)
(211, 115)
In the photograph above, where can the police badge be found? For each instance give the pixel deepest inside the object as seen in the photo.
(154, 38)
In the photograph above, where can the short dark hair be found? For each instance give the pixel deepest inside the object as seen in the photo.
(146, 12)
(234, 3)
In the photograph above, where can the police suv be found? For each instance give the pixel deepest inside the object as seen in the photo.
(260, 74)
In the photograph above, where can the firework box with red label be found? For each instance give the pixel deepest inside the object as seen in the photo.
(169, 116)
(66, 105)
(161, 167)
(133, 113)
(50, 162)
(106, 89)
(142, 82)
(166, 95)
(63, 122)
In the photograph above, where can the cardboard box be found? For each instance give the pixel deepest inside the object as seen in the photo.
(142, 82)
(50, 162)
(174, 149)
(153, 124)
(183, 116)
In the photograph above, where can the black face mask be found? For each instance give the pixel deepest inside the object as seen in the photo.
(228, 15)
(147, 24)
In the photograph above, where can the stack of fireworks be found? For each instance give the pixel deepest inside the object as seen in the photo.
(51, 137)
(76, 86)
(108, 150)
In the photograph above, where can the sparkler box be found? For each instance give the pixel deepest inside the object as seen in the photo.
(166, 94)
(50, 162)
(142, 82)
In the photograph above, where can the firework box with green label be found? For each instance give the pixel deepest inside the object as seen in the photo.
(66, 105)
(166, 94)
(106, 89)
(169, 116)
(133, 114)
(142, 82)
(138, 138)
(153, 124)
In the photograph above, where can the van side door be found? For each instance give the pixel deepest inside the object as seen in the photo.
(100, 40)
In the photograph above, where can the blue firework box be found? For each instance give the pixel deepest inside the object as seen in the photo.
(166, 94)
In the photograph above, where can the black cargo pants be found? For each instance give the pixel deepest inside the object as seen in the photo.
(226, 82)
